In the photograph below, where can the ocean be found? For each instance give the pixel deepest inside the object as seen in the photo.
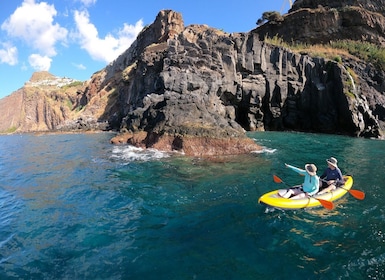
(73, 206)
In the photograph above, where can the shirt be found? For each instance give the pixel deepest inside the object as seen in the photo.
(330, 174)
(310, 183)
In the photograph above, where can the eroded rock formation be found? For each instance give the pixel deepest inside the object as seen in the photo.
(205, 82)
(196, 89)
(315, 21)
(41, 105)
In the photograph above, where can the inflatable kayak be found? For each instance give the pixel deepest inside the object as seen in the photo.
(273, 199)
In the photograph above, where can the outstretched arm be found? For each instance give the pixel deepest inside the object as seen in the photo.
(296, 169)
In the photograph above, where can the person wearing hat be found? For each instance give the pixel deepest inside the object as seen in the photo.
(310, 184)
(331, 177)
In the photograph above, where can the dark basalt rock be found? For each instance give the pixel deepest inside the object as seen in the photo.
(181, 87)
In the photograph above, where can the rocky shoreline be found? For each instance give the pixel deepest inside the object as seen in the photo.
(188, 145)
(197, 90)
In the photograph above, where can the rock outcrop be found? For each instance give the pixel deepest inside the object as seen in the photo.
(45, 103)
(196, 89)
(315, 21)
(318, 22)
(167, 88)
(203, 82)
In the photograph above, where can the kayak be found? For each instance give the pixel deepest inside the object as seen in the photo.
(273, 199)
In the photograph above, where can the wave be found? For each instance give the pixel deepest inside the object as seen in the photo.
(131, 153)
(265, 150)
(9, 208)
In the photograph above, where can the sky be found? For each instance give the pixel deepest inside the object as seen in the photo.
(76, 38)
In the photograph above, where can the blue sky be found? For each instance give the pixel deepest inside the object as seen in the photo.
(75, 38)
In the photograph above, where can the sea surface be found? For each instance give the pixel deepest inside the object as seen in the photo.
(73, 206)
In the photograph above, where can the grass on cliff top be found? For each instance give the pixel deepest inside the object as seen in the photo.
(9, 130)
(73, 84)
(335, 50)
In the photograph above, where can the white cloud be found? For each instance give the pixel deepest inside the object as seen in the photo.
(33, 23)
(24, 67)
(108, 48)
(8, 54)
(88, 2)
(79, 66)
(39, 62)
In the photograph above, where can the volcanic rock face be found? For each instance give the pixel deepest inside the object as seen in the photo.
(315, 21)
(196, 89)
(171, 91)
(199, 81)
(50, 103)
(40, 105)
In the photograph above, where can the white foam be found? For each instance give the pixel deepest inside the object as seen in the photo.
(264, 151)
(269, 151)
(261, 140)
(131, 153)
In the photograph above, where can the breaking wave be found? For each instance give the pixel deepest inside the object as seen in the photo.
(265, 150)
(131, 153)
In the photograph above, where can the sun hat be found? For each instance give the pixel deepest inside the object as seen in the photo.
(332, 161)
(311, 169)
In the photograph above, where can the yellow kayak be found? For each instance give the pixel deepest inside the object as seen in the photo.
(273, 199)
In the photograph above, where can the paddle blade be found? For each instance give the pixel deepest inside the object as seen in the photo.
(327, 204)
(277, 179)
(357, 194)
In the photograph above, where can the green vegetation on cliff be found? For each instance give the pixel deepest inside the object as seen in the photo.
(336, 49)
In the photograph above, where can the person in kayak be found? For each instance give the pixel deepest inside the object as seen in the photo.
(332, 177)
(310, 185)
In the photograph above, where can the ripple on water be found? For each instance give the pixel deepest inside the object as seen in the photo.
(10, 208)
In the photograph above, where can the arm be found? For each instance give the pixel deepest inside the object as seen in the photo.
(340, 178)
(296, 169)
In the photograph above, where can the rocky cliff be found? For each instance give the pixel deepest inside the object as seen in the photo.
(200, 81)
(197, 90)
(315, 21)
(46, 103)
(319, 22)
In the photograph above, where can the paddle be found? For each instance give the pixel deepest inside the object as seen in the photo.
(356, 193)
(325, 203)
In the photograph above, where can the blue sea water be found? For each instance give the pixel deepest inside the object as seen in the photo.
(73, 206)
